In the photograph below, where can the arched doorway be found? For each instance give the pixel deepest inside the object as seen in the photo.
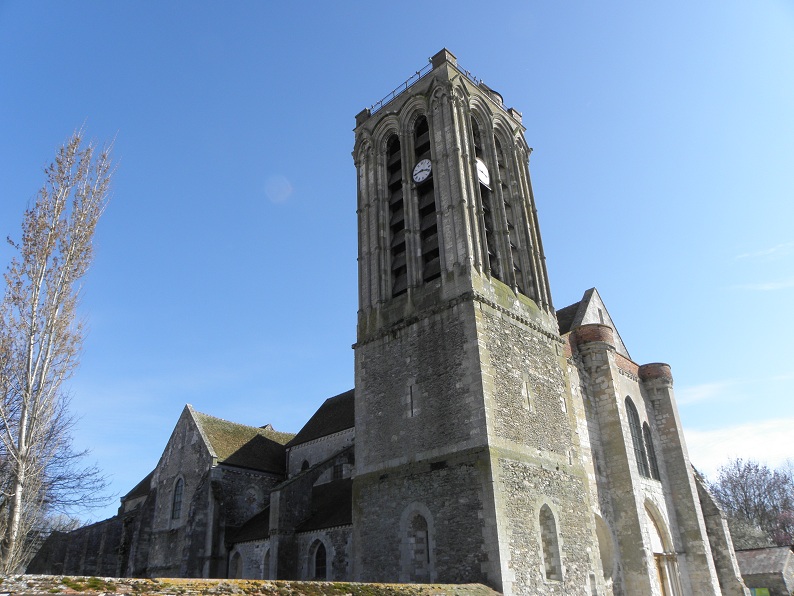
(664, 557)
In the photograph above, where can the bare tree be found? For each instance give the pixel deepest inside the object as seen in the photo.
(41, 475)
(758, 501)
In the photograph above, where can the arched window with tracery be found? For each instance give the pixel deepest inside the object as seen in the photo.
(636, 438)
(176, 501)
(397, 250)
(652, 462)
(552, 564)
(426, 197)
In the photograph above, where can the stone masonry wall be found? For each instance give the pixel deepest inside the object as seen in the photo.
(595, 463)
(186, 457)
(449, 493)
(418, 391)
(338, 546)
(318, 450)
(91, 550)
(252, 555)
(528, 488)
(244, 493)
(532, 430)
(526, 387)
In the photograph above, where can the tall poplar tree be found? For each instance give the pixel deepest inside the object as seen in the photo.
(41, 475)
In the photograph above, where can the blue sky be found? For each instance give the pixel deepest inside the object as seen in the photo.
(225, 271)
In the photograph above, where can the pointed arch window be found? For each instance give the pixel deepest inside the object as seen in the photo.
(653, 464)
(636, 438)
(176, 501)
(488, 213)
(550, 543)
(512, 216)
(394, 173)
(428, 216)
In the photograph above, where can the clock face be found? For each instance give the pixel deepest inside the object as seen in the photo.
(422, 170)
(482, 173)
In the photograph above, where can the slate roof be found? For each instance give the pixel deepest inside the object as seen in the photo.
(764, 560)
(141, 489)
(245, 446)
(566, 316)
(336, 414)
(332, 505)
(256, 528)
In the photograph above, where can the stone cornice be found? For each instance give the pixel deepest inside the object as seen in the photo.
(470, 296)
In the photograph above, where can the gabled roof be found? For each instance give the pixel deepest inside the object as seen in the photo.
(590, 309)
(336, 414)
(256, 528)
(332, 505)
(243, 446)
(765, 560)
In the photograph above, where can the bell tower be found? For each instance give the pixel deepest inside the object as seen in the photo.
(467, 461)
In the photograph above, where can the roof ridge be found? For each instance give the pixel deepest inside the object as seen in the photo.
(261, 429)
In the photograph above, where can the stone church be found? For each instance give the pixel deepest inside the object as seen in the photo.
(489, 438)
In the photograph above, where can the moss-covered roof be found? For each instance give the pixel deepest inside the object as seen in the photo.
(257, 448)
(336, 414)
(45, 585)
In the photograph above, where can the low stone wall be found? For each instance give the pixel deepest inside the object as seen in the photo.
(58, 584)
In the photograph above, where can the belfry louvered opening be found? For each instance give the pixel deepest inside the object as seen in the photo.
(428, 218)
(489, 216)
(394, 173)
(511, 216)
